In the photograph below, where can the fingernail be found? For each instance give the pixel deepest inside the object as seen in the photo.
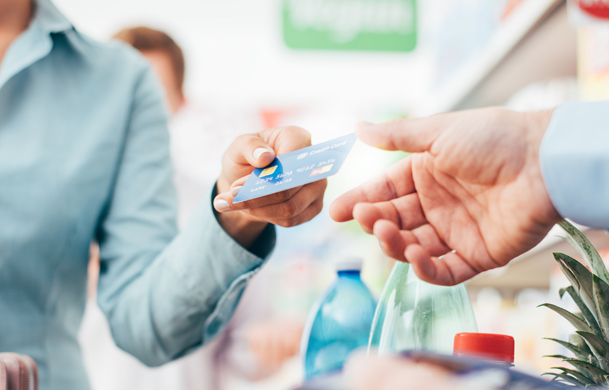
(236, 190)
(221, 205)
(259, 152)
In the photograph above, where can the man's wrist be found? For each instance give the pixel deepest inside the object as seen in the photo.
(537, 125)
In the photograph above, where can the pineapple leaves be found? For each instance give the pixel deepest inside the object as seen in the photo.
(596, 374)
(595, 342)
(580, 278)
(600, 291)
(586, 249)
(563, 357)
(599, 347)
(578, 375)
(577, 322)
(567, 378)
(581, 353)
(578, 341)
(590, 293)
(585, 311)
(589, 290)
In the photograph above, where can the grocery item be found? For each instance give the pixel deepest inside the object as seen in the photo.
(414, 315)
(496, 348)
(461, 373)
(339, 322)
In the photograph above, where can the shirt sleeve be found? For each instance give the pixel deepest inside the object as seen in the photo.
(164, 295)
(574, 158)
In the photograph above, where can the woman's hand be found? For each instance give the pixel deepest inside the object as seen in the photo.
(245, 220)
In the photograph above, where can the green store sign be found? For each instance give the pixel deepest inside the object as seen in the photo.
(373, 25)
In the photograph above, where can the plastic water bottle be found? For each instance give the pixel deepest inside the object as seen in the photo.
(338, 323)
(415, 315)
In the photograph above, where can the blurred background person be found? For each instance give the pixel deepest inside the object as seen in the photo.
(254, 345)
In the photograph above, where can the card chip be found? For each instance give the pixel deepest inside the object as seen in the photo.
(268, 171)
(321, 170)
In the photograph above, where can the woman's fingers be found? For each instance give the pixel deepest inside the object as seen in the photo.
(258, 150)
(292, 207)
(308, 214)
(281, 205)
(286, 139)
(250, 149)
(247, 152)
(238, 185)
(287, 208)
(224, 202)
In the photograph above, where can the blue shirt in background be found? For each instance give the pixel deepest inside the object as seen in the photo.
(84, 156)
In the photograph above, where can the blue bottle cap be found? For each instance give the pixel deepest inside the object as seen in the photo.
(349, 264)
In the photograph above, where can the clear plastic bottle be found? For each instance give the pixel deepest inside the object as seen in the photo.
(338, 323)
(415, 315)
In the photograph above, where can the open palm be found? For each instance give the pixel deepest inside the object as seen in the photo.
(470, 198)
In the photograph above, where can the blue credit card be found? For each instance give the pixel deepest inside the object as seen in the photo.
(297, 168)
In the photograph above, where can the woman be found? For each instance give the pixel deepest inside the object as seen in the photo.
(84, 156)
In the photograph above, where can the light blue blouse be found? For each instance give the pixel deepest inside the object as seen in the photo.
(84, 155)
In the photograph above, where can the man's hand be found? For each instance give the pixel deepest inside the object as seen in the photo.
(287, 208)
(470, 198)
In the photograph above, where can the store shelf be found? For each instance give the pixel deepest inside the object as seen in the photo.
(535, 43)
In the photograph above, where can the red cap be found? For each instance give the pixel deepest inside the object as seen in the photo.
(488, 346)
